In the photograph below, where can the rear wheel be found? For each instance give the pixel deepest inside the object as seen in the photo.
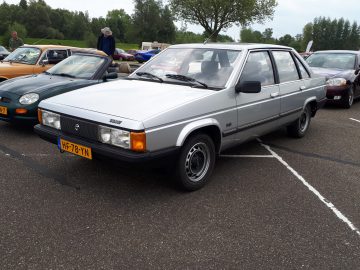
(348, 99)
(196, 162)
(299, 128)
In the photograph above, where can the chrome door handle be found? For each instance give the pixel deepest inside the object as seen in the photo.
(302, 87)
(274, 95)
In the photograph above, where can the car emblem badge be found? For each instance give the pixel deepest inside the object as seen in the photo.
(77, 127)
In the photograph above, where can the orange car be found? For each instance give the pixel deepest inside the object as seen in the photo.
(34, 59)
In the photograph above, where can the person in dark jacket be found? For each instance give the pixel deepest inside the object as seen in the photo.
(106, 42)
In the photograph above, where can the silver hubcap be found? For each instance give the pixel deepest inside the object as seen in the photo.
(197, 162)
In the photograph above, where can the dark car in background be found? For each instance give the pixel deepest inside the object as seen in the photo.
(143, 56)
(341, 69)
(19, 97)
(121, 55)
(3, 52)
(132, 51)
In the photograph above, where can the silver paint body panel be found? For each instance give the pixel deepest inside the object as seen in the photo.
(169, 113)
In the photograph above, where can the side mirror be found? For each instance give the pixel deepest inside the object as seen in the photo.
(251, 87)
(110, 76)
(357, 71)
(44, 62)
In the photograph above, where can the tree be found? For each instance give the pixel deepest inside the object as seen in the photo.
(217, 15)
(167, 26)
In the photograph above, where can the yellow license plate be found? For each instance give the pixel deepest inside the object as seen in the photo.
(3, 110)
(76, 149)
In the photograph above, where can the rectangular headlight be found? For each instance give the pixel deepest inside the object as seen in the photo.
(114, 136)
(135, 141)
(50, 119)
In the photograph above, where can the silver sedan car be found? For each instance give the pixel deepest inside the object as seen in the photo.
(190, 102)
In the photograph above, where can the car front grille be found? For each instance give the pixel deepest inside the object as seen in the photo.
(79, 127)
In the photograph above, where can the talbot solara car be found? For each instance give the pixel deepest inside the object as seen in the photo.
(341, 69)
(19, 97)
(191, 102)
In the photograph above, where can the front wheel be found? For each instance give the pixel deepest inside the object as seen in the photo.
(196, 162)
(299, 128)
(348, 99)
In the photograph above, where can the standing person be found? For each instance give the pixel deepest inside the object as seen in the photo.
(106, 42)
(15, 41)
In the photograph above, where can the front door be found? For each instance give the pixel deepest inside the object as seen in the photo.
(258, 108)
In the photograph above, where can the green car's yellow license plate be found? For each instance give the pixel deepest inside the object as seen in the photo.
(3, 110)
(75, 148)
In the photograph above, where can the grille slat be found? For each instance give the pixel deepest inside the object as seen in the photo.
(79, 128)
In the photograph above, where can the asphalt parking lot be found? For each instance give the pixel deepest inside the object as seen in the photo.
(280, 203)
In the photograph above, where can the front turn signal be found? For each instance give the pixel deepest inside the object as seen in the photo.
(138, 141)
(40, 116)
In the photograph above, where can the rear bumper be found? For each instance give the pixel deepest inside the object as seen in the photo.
(100, 149)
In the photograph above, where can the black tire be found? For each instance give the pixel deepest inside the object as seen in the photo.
(299, 128)
(348, 99)
(195, 163)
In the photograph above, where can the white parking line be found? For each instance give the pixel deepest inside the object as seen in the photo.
(247, 156)
(353, 119)
(341, 216)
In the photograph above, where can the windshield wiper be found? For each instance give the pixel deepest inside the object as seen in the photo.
(147, 74)
(185, 79)
(64, 75)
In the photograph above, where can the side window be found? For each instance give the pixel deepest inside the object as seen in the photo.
(258, 67)
(286, 66)
(55, 56)
(303, 71)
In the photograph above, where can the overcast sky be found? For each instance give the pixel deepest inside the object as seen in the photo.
(290, 15)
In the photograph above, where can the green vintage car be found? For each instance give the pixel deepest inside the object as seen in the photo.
(19, 97)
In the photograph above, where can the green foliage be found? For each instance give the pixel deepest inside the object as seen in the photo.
(19, 28)
(152, 22)
(217, 15)
(332, 34)
(90, 40)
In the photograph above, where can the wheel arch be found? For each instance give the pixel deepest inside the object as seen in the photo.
(210, 127)
(312, 102)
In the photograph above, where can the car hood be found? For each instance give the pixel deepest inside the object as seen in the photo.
(130, 99)
(333, 73)
(36, 84)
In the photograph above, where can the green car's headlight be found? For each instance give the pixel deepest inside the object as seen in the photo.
(336, 82)
(29, 99)
(50, 119)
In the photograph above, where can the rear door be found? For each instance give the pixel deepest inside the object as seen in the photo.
(291, 83)
(255, 109)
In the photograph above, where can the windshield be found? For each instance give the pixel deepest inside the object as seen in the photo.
(78, 66)
(120, 50)
(211, 67)
(332, 60)
(25, 55)
(2, 49)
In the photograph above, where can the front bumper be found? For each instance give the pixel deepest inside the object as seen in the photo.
(100, 149)
(332, 92)
(29, 118)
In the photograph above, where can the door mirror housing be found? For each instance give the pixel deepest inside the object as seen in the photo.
(110, 76)
(44, 62)
(357, 71)
(250, 87)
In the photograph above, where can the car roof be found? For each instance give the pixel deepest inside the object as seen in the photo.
(230, 46)
(338, 51)
(74, 49)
